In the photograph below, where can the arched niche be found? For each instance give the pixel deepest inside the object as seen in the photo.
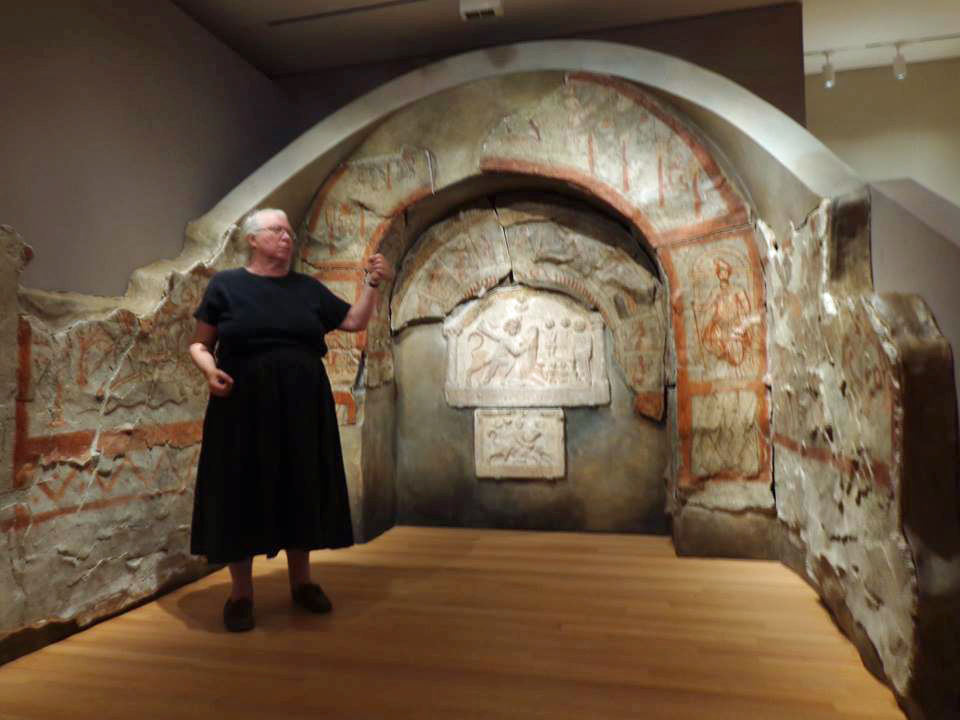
(521, 326)
(620, 149)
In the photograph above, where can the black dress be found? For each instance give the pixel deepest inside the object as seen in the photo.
(271, 472)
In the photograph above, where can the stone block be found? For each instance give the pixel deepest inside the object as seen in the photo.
(355, 206)
(704, 532)
(379, 461)
(519, 444)
(351, 442)
(519, 347)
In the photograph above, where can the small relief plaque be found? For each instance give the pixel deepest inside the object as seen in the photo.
(519, 348)
(519, 443)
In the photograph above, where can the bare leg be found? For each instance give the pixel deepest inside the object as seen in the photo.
(241, 573)
(298, 567)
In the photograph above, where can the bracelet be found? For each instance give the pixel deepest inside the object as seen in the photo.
(366, 280)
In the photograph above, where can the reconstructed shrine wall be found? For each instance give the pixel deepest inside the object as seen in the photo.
(681, 313)
(460, 463)
(601, 139)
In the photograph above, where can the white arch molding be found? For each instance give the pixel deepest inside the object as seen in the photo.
(292, 176)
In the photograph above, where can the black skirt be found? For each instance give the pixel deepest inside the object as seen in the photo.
(271, 475)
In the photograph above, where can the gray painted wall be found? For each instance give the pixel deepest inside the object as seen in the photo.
(120, 123)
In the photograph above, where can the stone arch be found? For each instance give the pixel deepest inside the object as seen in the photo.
(449, 342)
(606, 139)
(542, 241)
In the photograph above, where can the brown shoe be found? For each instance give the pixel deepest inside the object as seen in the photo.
(310, 597)
(238, 615)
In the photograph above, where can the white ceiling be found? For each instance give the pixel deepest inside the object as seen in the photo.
(291, 36)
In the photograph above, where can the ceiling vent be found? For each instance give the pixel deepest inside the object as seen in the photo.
(480, 9)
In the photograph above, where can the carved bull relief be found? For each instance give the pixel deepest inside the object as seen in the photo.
(519, 347)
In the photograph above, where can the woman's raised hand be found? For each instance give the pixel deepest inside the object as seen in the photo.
(378, 269)
(220, 383)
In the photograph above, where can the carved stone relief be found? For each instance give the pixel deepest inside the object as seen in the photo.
(549, 245)
(461, 257)
(568, 256)
(519, 443)
(519, 347)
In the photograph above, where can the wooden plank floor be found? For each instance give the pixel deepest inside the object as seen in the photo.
(460, 624)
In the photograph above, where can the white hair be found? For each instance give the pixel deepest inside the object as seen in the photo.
(250, 222)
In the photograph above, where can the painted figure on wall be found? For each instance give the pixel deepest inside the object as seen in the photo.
(725, 319)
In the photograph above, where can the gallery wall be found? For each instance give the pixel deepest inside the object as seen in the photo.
(887, 129)
(120, 123)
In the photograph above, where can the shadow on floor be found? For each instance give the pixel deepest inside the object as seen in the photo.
(356, 587)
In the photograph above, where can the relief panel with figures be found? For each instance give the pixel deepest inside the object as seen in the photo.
(519, 347)
(519, 443)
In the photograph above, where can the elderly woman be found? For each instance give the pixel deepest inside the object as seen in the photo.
(271, 472)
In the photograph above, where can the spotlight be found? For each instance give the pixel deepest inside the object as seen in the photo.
(899, 65)
(829, 74)
(480, 9)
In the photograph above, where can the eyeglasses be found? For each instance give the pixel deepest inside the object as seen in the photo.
(279, 230)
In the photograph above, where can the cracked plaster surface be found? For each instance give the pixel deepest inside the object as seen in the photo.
(102, 462)
(846, 440)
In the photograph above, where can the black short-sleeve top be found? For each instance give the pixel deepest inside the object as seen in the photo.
(252, 312)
